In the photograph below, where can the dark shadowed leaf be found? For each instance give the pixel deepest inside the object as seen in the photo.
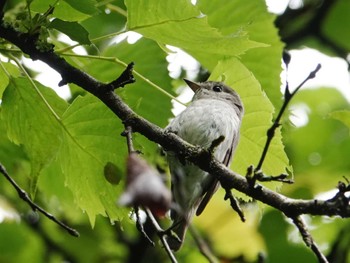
(86, 6)
(74, 30)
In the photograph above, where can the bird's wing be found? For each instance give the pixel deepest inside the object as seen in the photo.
(212, 184)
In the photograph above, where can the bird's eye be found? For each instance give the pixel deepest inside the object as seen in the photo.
(217, 88)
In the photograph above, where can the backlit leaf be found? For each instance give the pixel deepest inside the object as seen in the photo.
(32, 120)
(179, 24)
(91, 140)
(256, 121)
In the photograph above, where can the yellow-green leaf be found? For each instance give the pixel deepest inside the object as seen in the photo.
(91, 139)
(32, 119)
(256, 121)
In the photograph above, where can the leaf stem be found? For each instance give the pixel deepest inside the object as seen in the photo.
(122, 63)
(97, 39)
(117, 9)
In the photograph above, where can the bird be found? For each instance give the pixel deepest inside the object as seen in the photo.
(215, 111)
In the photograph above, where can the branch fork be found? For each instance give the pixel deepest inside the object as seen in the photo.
(200, 157)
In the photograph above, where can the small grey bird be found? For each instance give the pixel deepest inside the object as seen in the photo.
(216, 110)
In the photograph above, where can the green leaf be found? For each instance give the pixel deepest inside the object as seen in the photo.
(336, 24)
(6, 70)
(319, 149)
(4, 81)
(10, 153)
(92, 139)
(62, 10)
(180, 24)
(252, 17)
(144, 99)
(256, 121)
(74, 30)
(32, 120)
(222, 226)
(112, 22)
(274, 229)
(86, 7)
(343, 116)
(151, 62)
(21, 243)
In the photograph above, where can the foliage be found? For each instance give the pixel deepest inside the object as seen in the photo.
(58, 150)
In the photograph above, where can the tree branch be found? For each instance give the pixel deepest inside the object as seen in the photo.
(308, 240)
(162, 235)
(337, 206)
(25, 197)
(169, 141)
(204, 248)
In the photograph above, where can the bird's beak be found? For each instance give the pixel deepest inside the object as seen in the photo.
(193, 85)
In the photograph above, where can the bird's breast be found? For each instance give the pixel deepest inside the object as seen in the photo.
(206, 120)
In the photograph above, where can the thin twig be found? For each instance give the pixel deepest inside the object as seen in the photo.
(117, 9)
(139, 226)
(162, 235)
(202, 245)
(25, 197)
(307, 238)
(261, 177)
(234, 204)
(287, 98)
(128, 135)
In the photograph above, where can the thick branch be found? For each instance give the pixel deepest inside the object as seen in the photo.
(169, 141)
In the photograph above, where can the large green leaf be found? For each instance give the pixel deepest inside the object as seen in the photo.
(179, 23)
(151, 62)
(91, 140)
(62, 10)
(32, 119)
(256, 121)
(147, 101)
(252, 17)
